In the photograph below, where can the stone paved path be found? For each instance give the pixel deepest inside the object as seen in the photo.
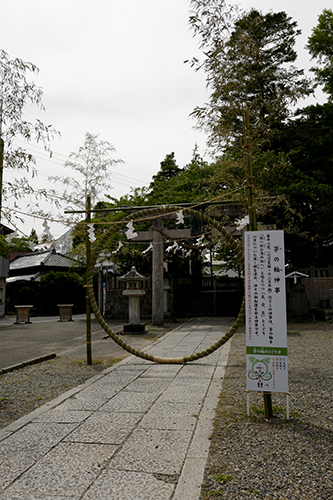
(138, 430)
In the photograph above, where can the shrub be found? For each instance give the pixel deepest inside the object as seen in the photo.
(61, 288)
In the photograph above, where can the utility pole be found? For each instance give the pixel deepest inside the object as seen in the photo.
(253, 221)
(88, 257)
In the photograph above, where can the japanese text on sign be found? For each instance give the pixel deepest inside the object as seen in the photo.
(266, 330)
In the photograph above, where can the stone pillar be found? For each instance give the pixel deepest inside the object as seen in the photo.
(157, 298)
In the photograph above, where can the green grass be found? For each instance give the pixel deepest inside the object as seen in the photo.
(260, 410)
(212, 494)
(222, 478)
(96, 362)
(252, 491)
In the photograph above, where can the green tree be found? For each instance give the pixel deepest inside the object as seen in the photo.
(168, 170)
(249, 66)
(14, 245)
(33, 236)
(61, 288)
(320, 46)
(196, 181)
(305, 177)
(16, 91)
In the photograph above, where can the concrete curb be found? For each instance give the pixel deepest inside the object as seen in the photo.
(191, 478)
(30, 362)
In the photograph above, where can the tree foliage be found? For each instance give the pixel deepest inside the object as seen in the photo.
(184, 185)
(305, 177)
(61, 288)
(16, 91)
(320, 46)
(168, 170)
(197, 182)
(14, 245)
(249, 60)
(249, 66)
(33, 237)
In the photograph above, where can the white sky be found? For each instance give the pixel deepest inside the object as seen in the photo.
(116, 68)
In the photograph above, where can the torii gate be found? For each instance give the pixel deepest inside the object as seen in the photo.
(157, 234)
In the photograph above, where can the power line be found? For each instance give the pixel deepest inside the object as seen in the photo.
(114, 174)
(36, 216)
(60, 162)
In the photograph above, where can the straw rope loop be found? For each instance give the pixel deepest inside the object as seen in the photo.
(154, 213)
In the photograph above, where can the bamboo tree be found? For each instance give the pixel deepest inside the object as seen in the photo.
(16, 91)
(91, 173)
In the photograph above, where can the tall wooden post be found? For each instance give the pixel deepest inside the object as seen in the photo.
(88, 256)
(253, 221)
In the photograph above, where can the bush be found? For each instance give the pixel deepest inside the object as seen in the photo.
(61, 288)
(28, 295)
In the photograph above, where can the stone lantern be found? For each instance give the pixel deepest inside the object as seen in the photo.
(134, 292)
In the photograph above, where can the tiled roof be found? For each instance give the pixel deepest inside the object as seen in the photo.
(49, 259)
(58, 260)
(25, 277)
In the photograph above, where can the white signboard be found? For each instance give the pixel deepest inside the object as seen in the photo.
(266, 325)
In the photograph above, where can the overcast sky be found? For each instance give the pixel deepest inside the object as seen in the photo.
(116, 68)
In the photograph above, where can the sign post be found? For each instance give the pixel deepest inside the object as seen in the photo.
(266, 325)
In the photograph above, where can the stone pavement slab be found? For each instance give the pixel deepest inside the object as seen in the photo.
(138, 430)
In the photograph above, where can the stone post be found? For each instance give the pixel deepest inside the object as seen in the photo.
(157, 292)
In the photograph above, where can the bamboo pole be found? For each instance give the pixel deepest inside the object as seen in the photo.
(88, 257)
(1, 173)
(253, 221)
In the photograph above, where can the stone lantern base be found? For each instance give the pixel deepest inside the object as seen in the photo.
(140, 328)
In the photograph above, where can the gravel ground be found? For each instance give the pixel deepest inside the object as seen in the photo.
(24, 390)
(255, 458)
